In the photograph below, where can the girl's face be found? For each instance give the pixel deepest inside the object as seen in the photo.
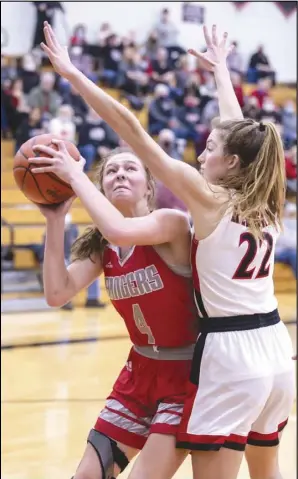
(125, 180)
(214, 165)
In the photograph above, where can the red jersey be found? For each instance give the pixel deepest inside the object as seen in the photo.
(156, 303)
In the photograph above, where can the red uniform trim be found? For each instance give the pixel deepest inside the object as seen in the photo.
(121, 435)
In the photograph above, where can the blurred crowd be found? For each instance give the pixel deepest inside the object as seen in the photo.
(156, 77)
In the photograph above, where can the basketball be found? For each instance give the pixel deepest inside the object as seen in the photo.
(42, 188)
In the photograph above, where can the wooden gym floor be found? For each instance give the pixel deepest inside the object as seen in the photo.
(57, 369)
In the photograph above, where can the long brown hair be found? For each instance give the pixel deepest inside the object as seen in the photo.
(258, 190)
(91, 242)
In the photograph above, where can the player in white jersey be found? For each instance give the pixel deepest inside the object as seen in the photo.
(244, 391)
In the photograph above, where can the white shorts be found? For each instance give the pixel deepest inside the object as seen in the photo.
(242, 385)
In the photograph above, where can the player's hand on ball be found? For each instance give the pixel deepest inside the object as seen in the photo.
(60, 162)
(56, 211)
(217, 52)
(57, 54)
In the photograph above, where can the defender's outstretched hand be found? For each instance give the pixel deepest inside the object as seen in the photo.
(217, 52)
(57, 54)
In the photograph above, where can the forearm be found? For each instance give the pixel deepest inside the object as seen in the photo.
(229, 107)
(105, 216)
(55, 275)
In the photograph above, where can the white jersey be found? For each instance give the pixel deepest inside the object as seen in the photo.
(233, 272)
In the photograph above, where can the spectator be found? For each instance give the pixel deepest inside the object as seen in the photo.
(286, 246)
(235, 60)
(182, 72)
(269, 111)
(112, 55)
(72, 97)
(28, 73)
(78, 37)
(44, 13)
(151, 46)
(161, 110)
(166, 30)
(63, 124)
(259, 67)
(96, 138)
(189, 115)
(134, 79)
(289, 122)
(167, 141)
(237, 85)
(251, 108)
(8, 71)
(210, 111)
(291, 168)
(161, 71)
(262, 90)
(44, 97)
(105, 31)
(14, 104)
(29, 128)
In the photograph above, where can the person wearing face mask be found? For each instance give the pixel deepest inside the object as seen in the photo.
(27, 72)
(161, 111)
(30, 127)
(251, 108)
(63, 125)
(262, 91)
(269, 111)
(96, 138)
(189, 115)
(289, 122)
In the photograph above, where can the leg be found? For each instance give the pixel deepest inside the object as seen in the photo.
(214, 464)
(167, 459)
(90, 467)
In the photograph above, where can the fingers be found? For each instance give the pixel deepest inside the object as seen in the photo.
(202, 57)
(214, 35)
(51, 34)
(61, 145)
(224, 39)
(207, 36)
(82, 162)
(41, 159)
(45, 149)
(43, 169)
(49, 40)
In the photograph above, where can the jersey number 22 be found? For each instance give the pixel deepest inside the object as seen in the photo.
(243, 271)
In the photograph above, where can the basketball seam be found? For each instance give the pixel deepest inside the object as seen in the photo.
(36, 183)
(53, 176)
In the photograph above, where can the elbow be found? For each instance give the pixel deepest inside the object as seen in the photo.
(55, 301)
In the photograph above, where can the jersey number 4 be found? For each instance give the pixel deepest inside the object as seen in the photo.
(243, 271)
(141, 324)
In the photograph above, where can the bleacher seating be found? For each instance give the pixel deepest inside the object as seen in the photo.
(28, 223)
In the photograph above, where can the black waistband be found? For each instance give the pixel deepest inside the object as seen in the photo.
(239, 323)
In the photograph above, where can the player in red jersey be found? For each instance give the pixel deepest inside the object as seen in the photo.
(150, 287)
(244, 391)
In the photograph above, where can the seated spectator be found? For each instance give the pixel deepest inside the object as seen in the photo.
(289, 122)
(286, 246)
(29, 128)
(78, 37)
(72, 98)
(151, 46)
(291, 168)
(269, 111)
(112, 55)
(251, 108)
(210, 111)
(161, 110)
(14, 104)
(8, 71)
(105, 31)
(189, 116)
(134, 79)
(44, 96)
(237, 85)
(96, 138)
(63, 124)
(167, 141)
(161, 70)
(166, 30)
(235, 60)
(262, 91)
(182, 72)
(207, 90)
(259, 67)
(28, 73)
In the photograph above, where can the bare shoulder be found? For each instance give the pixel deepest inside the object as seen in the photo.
(174, 217)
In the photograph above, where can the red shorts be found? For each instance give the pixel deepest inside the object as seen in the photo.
(148, 397)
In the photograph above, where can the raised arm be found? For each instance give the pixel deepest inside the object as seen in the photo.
(161, 226)
(215, 60)
(180, 177)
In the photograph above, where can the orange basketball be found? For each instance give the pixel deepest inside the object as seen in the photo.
(43, 188)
